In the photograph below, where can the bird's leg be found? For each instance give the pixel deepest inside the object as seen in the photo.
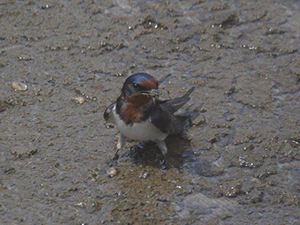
(120, 144)
(164, 149)
(162, 146)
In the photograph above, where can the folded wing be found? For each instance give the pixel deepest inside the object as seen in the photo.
(162, 117)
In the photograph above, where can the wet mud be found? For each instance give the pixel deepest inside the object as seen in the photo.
(237, 163)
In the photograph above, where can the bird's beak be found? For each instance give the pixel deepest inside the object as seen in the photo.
(152, 92)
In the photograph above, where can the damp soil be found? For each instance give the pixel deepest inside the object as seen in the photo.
(238, 161)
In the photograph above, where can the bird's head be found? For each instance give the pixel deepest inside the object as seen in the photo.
(140, 87)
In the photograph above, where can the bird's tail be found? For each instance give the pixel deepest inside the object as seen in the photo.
(189, 92)
(175, 104)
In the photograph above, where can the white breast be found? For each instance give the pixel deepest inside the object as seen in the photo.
(143, 131)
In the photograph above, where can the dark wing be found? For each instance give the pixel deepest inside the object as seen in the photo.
(174, 104)
(162, 116)
(108, 114)
(165, 121)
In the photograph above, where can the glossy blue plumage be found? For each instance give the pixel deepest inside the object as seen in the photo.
(136, 78)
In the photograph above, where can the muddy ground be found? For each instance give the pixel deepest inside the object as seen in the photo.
(239, 161)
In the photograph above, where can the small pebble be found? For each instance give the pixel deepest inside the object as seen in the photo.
(112, 172)
(18, 86)
(79, 100)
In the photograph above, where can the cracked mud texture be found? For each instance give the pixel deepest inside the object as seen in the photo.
(237, 164)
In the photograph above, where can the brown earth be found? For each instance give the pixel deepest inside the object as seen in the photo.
(239, 162)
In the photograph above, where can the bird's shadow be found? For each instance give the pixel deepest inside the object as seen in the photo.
(149, 154)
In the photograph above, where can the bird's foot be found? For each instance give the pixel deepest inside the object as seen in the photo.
(164, 163)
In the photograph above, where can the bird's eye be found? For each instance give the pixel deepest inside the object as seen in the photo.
(135, 85)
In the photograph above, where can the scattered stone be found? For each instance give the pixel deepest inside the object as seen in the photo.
(18, 86)
(112, 172)
(79, 100)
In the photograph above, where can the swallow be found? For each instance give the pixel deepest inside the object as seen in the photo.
(139, 115)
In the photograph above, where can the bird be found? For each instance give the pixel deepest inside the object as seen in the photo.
(139, 115)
